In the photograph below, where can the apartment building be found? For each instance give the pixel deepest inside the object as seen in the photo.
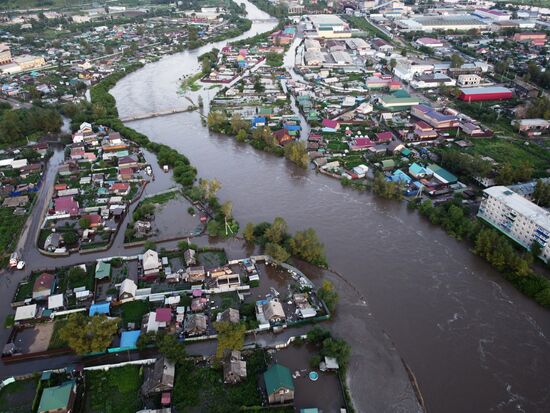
(518, 218)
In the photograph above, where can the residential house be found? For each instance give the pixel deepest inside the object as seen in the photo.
(279, 384)
(163, 316)
(66, 205)
(43, 286)
(159, 377)
(273, 312)
(151, 264)
(127, 289)
(189, 257)
(196, 275)
(230, 315)
(532, 127)
(120, 188)
(58, 399)
(102, 270)
(234, 368)
(195, 324)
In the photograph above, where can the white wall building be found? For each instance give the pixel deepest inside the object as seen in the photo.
(516, 217)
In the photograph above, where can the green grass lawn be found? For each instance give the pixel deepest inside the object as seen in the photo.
(202, 388)
(113, 391)
(515, 152)
(133, 311)
(25, 287)
(18, 396)
(10, 228)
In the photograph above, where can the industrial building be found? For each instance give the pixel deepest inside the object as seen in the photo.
(518, 218)
(475, 94)
(460, 22)
(329, 26)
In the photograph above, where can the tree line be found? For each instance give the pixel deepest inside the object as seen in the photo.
(495, 248)
(18, 124)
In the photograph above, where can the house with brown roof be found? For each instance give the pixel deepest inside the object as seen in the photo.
(159, 377)
(43, 286)
(234, 368)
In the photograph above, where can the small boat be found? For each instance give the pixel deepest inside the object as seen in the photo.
(149, 170)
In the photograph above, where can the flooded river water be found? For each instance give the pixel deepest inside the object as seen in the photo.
(474, 343)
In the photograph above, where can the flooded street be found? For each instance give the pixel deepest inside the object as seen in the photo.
(473, 341)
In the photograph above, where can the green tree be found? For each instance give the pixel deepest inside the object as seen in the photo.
(227, 209)
(230, 337)
(149, 245)
(328, 294)
(171, 348)
(297, 152)
(238, 124)
(456, 60)
(307, 246)
(277, 231)
(541, 195)
(84, 223)
(242, 135)
(248, 232)
(337, 348)
(216, 121)
(77, 277)
(70, 237)
(86, 334)
(277, 252)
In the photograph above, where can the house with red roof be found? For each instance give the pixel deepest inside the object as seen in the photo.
(125, 173)
(384, 137)
(43, 286)
(163, 316)
(66, 205)
(282, 136)
(330, 124)
(77, 153)
(359, 144)
(95, 220)
(120, 188)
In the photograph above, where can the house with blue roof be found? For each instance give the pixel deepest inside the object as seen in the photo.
(418, 171)
(258, 122)
(129, 339)
(99, 308)
(400, 176)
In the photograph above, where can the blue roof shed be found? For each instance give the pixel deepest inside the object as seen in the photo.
(128, 339)
(99, 308)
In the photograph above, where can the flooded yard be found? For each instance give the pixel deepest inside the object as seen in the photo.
(324, 393)
(173, 220)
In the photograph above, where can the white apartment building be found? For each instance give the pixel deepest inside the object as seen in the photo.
(516, 217)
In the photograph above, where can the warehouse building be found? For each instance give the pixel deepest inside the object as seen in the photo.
(329, 26)
(460, 22)
(518, 218)
(475, 94)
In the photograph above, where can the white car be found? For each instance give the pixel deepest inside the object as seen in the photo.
(20, 265)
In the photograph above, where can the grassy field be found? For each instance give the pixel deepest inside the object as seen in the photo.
(202, 389)
(515, 152)
(113, 391)
(18, 397)
(133, 311)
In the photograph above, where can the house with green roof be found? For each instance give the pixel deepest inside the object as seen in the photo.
(58, 399)
(442, 174)
(102, 270)
(279, 384)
